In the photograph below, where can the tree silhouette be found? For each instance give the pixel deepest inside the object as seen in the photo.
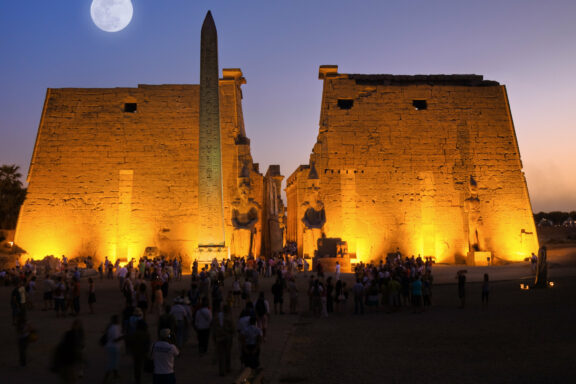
(12, 195)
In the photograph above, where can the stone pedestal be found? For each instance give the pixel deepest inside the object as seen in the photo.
(205, 254)
(479, 258)
(329, 264)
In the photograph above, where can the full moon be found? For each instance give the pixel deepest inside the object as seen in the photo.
(111, 15)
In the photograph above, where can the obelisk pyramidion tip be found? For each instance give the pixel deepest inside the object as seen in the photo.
(209, 21)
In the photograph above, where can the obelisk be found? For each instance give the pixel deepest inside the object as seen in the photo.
(211, 237)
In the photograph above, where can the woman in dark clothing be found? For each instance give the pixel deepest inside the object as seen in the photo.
(138, 343)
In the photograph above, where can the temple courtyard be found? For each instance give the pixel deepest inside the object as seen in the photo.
(522, 336)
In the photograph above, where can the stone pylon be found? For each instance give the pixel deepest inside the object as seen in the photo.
(211, 239)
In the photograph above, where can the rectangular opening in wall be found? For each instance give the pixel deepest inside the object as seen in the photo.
(130, 107)
(419, 105)
(345, 103)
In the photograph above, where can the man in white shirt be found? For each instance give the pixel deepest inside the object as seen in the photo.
(181, 316)
(163, 353)
(202, 323)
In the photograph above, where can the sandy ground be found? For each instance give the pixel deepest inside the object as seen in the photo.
(521, 337)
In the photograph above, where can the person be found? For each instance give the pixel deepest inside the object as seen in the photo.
(417, 294)
(167, 320)
(247, 290)
(163, 353)
(142, 297)
(278, 292)
(427, 289)
(338, 295)
(262, 309)
(48, 288)
(236, 292)
(358, 290)
(337, 272)
(75, 296)
(113, 338)
(485, 289)
(181, 317)
(91, 295)
(202, 323)
(138, 343)
(533, 262)
(329, 295)
(461, 276)
(16, 303)
(24, 331)
(68, 358)
(251, 338)
(31, 292)
(223, 331)
(59, 298)
(158, 299)
(293, 294)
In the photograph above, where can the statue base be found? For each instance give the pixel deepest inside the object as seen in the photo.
(329, 264)
(479, 258)
(205, 254)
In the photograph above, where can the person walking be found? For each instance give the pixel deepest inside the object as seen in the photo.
(223, 331)
(138, 343)
(251, 338)
(113, 338)
(416, 290)
(202, 323)
(358, 290)
(278, 292)
(68, 359)
(60, 298)
(293, 295)
(48, 288)
(262, 309)
(24, 331)
(163, 353)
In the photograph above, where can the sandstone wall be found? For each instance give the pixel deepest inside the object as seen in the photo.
(419, 163)
(108, 181)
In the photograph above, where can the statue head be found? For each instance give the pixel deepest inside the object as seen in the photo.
(244, 190)
(473, 185)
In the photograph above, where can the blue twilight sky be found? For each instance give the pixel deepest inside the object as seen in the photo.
(279, 44)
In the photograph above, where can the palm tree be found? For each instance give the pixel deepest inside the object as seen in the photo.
(11, 195)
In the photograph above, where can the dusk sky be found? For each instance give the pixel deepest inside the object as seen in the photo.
(530, 46)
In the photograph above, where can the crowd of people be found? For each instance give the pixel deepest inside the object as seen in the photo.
(224, 304)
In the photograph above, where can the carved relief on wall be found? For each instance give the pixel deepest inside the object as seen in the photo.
(472, 209)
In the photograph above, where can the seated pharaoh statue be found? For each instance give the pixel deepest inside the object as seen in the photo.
(315, 217)
(314, 220)
(245, 213)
